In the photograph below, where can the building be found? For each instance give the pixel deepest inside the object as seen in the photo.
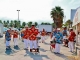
(76, 22)
(73, 11)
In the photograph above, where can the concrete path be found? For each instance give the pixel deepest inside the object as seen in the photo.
(20, 54)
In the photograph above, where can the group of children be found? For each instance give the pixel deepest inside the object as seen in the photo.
(29, 36)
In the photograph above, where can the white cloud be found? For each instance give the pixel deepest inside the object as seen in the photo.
(33, 10)
(72, 1)
(29, 9)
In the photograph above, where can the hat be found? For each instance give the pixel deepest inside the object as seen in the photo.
(58, 28)
(26, 25)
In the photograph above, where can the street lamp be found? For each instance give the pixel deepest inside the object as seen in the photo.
(18, 14)
(18, 17)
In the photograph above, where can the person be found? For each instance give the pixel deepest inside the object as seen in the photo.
(65, 37)
(58, 39)
(33, 39)
(22, 36)
(26, 37)
(43, 33)
(7, 39)
(71, 40)
(15, 38)
(53, 33)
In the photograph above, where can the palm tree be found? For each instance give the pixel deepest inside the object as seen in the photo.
(11, 23)
(23, 24)
(57, 14)
(69, 22)
(7, 23)
(15, 23)
(19, 23)
(29, 24)
(36, 23)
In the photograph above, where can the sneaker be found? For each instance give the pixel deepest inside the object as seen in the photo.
(58, 53)
(16, 45)
(25, 49)
(55, 52)
(7, 48)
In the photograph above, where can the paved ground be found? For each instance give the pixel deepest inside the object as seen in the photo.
(20, 54)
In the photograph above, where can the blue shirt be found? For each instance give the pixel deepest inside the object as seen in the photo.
(54, 33)
(7, 35)
(59, 37)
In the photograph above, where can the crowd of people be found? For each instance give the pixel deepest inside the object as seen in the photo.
(66, 37)
(31, 36)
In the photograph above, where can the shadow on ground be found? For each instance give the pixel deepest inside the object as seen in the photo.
(62, 56)
(36, 56)
(46, 43)
(10, 51)
(43, 50)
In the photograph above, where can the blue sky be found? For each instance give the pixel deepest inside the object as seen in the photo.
(35, 10)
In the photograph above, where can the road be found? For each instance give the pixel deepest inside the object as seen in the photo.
(21, 54)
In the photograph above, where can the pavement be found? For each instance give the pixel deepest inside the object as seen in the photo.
(21, 54)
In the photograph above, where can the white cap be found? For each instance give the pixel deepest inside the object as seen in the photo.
(26, 25)
(58, 28)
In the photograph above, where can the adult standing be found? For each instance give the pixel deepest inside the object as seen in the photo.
(15, 38)
(58, 39)
(26, 37)
(53, 33)
(71, 40)
(43, 33)
(7, 39)
(65, 36)
(33, 39)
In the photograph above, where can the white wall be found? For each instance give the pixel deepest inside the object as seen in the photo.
(48, 28)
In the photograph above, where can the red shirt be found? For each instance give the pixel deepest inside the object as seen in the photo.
(15, 35)
(33, 33)
(36, 32)
(43, 33)
(72, 36)
(25, 36)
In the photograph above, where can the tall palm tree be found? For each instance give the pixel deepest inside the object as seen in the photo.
(57, 14)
